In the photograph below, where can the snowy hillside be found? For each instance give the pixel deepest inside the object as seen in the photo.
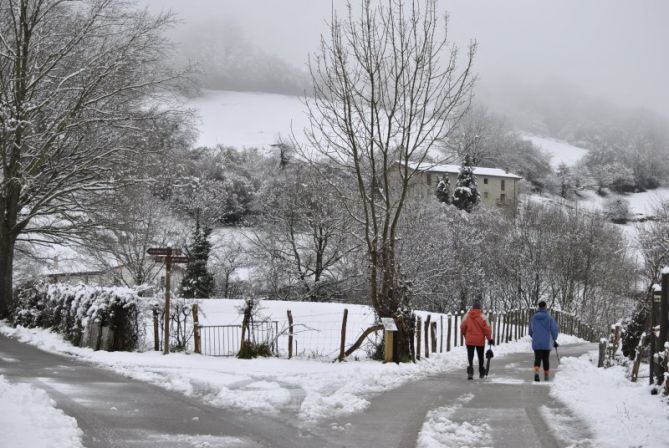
(246, 119)
(561, 152)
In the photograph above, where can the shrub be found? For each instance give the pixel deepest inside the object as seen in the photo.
(68, 309)
(251, 350)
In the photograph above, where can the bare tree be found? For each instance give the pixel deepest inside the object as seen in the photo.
(75, 80)
(382, 96)
(121, 232)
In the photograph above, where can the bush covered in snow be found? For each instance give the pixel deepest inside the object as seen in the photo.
(68, 309)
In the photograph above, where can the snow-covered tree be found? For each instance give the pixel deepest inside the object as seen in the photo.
(443, 191)
(77, 81)
(382, 101)
(198, 282)
(617, 209)
(466, 194)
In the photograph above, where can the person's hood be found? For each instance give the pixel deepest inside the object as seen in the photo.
(474, 312)
(540, 315)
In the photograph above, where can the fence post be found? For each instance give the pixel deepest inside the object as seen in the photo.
(290, 334)
(637, 357)
(156, 331)
(455, 330)
(419, 329)
(427, 335)
(441, 334)
(462, 337)
(342, 344)
(448, 334)
(434, 336)
(196, 328)
(602, 352)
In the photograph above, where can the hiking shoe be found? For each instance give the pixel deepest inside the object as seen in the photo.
(470, 373)
(546, 377)
(536, 377)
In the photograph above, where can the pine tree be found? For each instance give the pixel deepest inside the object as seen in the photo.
(443, 192)
(198, 282)
(466, 195)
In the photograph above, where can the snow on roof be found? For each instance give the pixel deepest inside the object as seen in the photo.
(455, 169)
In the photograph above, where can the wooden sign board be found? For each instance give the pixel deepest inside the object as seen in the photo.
(388, 324)
(163, 259)
(163, 251)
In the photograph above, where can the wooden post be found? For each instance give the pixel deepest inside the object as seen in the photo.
(441, 334)
(433, 327)
(491, 323)
(602, 352)
(156, 331)
(290, 334)
(342, 344)
(448, 334)
(664, 310)
(637, 357)
(462, 337)
(388, 346)
(419, 329)
(427, 335)
(456, 328)
(196, 328)
(168, 287)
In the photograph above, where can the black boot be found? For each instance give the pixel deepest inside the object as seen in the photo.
(470, 373)
(536, 376)
(481, 372)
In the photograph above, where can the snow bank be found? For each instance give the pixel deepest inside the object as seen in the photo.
(439, 431)
(620, 413)
(29, 419)
(314, 389)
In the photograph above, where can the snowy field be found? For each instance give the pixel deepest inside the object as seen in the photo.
(246, 119)
(561, 152)
(30, 420)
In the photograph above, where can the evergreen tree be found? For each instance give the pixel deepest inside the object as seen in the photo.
(466, 195)
(443, 192)
(198, 282)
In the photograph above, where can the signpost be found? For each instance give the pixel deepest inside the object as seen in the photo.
(389, 327)
(168, 256)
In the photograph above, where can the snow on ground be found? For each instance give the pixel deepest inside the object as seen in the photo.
(439, 431)
(29, 419)
(246, 119)
(620, 413)
(314, 389)
(561, 152)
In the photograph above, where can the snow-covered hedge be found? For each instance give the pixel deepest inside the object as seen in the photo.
(69, 309)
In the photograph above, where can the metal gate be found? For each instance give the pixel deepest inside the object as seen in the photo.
(225, 340)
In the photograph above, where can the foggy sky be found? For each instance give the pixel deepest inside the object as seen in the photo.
(617, 49)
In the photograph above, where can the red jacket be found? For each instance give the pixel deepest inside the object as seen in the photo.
(475, 329)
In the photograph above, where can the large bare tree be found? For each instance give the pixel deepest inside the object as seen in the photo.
(387, 92)
(75, 85)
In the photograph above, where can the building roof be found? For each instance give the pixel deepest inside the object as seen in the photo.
(455, 169)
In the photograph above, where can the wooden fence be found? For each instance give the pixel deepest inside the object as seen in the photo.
(436, 333)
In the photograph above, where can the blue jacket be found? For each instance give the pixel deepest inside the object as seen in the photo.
(543, 329)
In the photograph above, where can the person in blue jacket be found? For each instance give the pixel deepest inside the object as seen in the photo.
(544, 331)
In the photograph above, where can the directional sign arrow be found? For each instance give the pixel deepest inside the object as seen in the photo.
(163, 251)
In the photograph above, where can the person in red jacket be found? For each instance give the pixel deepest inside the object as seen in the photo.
(475, 330)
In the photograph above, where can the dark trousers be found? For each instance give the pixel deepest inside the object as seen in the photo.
(479, 353)
(542, 356)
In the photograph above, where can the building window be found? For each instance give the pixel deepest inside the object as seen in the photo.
(485, 181)
(503, 185)
(429, 179)
(485, 194)
(502, 198)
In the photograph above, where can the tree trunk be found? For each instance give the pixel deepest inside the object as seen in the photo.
(6, 268)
